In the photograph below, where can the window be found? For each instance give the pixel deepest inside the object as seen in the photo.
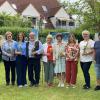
(14, 6)
(61, 23)
(71, 24)
(34, 20)
(44, 8)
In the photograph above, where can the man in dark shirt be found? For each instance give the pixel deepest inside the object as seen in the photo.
(97, 62)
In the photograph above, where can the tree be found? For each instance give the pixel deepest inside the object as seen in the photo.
(89, 10)
(17, 20)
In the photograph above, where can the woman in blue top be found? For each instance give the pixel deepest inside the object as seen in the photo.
(21, 60)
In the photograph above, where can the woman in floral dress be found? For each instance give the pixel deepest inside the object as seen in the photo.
(59, 59)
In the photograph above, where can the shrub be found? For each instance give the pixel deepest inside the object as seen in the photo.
(77, 33)
(14, 21)
(14, 30)
(42, 34)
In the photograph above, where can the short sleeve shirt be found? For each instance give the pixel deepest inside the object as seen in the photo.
(21, 47)
(97, 51)
(72, 50)
(89, 45)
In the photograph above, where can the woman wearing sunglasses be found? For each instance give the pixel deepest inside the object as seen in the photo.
(8, 56)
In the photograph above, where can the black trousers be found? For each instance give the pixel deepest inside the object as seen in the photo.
(9, 66)
(34, 70)
(85, 68)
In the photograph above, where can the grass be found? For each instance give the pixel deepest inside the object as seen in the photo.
(44, 93)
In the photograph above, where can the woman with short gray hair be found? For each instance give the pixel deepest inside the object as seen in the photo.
(86, 56)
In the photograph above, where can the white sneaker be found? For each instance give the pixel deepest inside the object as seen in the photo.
(73, 86)
(59, 85)
(67, 86)
(20, 86)
(62, 84)
(25, 85)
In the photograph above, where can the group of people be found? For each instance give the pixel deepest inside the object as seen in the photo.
(59, 59)
(17, 55)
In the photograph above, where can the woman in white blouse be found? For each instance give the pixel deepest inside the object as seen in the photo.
(86, 56)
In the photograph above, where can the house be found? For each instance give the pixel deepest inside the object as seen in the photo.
(49, 12)
(6, 7)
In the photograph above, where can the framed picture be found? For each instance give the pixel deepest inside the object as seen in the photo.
(65, 36)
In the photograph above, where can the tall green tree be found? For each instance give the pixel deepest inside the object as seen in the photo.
(88, 10)
(14, 21)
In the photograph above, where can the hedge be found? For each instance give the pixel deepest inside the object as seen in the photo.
(14, 30)
(42, 34)
(77, 34)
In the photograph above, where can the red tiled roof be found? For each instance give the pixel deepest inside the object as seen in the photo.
(52, 6)
(53, 11)
(20, 4)
(2, 1)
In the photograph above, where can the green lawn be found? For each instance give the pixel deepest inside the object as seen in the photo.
(44, 93)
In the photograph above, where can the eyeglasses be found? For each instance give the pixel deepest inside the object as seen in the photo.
(9, 36)
(85, 34)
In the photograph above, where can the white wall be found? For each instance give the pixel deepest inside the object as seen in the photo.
(7, 8)
(30, 11)
(53, 20)
(62, 14)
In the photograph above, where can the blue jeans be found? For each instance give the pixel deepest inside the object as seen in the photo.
(85, 68)
(97, 69)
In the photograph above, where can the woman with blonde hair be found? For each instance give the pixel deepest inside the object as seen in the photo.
(8, 56)
(48, 61)
(72, 55)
